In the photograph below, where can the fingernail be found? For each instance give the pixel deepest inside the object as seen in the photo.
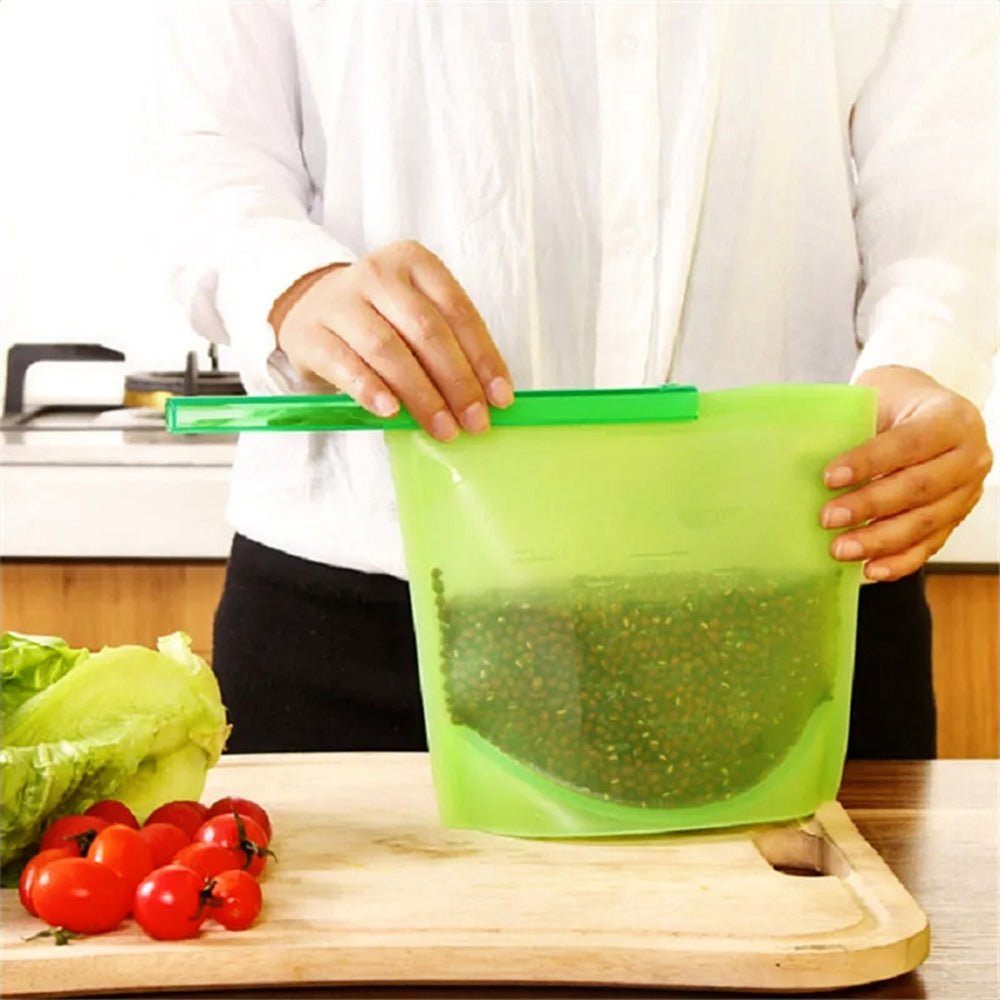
(443, 426)
(848, 549)
(385, 405)
(877, 572)
(840, 476)
(500, 392)
(837, 517)
(475, 419)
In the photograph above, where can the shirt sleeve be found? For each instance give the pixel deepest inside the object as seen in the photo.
(235, 192)
(925, 139)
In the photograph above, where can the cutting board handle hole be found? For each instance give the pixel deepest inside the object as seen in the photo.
(801, 852)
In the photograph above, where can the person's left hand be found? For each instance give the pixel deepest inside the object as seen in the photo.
(915, 480)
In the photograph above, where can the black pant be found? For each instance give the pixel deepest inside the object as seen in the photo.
(315, 658)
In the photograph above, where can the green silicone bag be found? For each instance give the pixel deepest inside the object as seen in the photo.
(627, 617)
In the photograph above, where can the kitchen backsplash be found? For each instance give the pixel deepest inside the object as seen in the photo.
(77, 259)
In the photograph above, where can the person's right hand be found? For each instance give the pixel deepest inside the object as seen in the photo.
(396, 328)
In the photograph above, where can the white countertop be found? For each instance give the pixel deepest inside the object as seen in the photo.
(72, 449)
(114, 512)
(143, 494)
(114, 494)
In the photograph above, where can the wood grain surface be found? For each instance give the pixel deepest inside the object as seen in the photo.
(370, 888)
(96, 603)
(966, 616)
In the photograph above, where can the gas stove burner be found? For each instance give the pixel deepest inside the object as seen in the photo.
(152, 389)
(146, 391)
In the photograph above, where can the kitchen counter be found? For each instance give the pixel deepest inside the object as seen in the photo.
(114, 494)
(148, 495)
(934, 823)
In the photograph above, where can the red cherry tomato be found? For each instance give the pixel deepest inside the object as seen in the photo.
(30, 872)
(208, 860)
(114, 812)
(165, 839)
(80, 895)
(182, 814)
(245, 807)
(123, 850)
(64, 831)
(169, 904)
(236, 900)
(240, 833)
(199, 807)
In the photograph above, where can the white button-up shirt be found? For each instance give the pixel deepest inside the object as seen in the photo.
(715, 193)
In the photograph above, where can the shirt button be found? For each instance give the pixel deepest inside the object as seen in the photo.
(628, 45)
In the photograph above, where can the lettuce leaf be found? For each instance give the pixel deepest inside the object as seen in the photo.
(131, 723)
(29, 664)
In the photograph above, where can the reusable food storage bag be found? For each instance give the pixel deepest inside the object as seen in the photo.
(626, 612)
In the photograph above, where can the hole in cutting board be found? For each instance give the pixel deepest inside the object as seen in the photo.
(802, 851)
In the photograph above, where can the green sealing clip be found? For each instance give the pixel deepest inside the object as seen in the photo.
(533, 408)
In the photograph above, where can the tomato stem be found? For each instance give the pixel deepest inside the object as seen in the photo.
(59, 934)
(83, 840)
(206, 899)
(250, 848)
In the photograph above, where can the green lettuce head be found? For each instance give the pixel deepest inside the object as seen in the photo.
(129, 723)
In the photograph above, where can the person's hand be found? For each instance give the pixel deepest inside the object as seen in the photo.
(396, 328)
(914, 481)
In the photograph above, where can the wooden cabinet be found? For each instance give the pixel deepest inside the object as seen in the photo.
(112, 603)
(93, 603)
(966, 615)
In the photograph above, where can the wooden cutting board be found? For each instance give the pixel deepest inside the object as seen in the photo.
(368, 888)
